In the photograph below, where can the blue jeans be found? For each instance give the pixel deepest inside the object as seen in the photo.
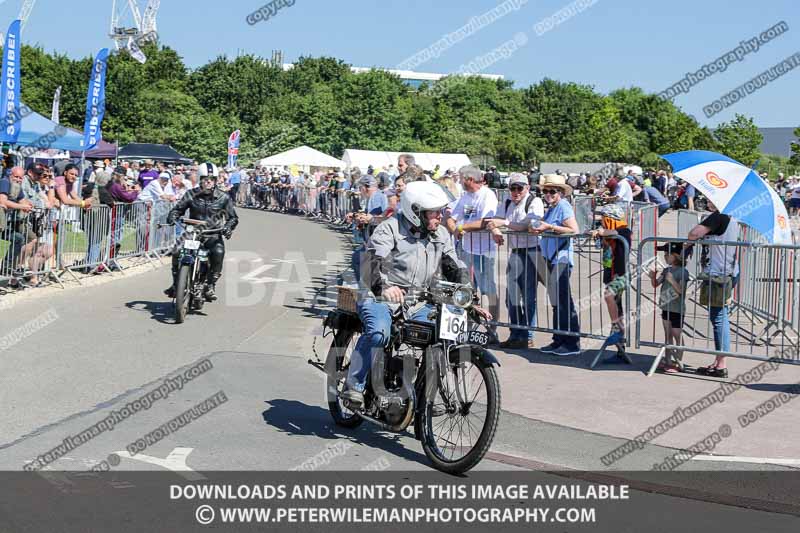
(482, 272)
(376, 320)
(721, 325)
(521, 291)
(565, 318)
(355, 262)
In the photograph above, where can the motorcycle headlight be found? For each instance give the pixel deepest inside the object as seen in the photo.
(462, 297)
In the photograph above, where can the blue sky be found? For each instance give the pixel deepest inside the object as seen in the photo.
(610, 44)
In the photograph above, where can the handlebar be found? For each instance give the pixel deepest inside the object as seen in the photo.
(194, 222)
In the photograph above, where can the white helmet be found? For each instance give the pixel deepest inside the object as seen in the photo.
(421, 196)
(207, 170)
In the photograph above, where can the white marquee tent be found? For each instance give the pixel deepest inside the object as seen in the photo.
(303, 156)
(428, 161)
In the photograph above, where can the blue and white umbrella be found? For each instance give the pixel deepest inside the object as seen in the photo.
(735, 190)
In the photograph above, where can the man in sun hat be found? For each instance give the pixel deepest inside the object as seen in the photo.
(524, 260)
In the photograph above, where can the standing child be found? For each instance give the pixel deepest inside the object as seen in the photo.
(672, 302)
(615, 267)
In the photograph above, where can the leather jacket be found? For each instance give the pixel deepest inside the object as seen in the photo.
(215, 208)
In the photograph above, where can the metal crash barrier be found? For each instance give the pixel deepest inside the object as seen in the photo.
(83, 238)
(27, 245)
(737, 299)
(47, 243)
(536, 295)
(162, 238)
(130, 230)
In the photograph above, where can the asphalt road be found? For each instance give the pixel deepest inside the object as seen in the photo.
(106, 346)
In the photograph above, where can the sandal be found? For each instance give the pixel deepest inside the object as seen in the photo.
(713, 371)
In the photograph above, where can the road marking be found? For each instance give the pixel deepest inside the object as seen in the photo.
(741, 459)
(175, 461)
(612, 478)
(252, 276)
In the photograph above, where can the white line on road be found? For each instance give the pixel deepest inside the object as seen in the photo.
(252, 276)
(754, 460)
(175, 461)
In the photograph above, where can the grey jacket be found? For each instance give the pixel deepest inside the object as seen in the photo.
(396, 256)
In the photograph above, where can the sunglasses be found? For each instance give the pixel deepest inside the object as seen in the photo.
(550, 191)
(516, 188)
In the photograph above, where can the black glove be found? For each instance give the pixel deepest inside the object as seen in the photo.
(227, 233)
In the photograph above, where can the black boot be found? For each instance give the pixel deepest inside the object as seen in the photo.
(209, 293)
(170, 292)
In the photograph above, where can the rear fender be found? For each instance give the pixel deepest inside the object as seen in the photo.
(340, 320)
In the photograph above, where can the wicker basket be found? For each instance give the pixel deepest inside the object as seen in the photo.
(346, 299)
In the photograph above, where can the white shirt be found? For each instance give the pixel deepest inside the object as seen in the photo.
(518, 215)
(795, 188)
(624, 191)
(154, 190)
(476, 206)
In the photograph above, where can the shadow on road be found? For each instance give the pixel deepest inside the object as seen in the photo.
(641, 362)
(297, 418)
(163, 312)
(322, 292)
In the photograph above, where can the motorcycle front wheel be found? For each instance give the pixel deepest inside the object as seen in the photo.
(460, 422)
(336, 368)
(182, 294)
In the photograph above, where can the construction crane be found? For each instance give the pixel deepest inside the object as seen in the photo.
(127, 20)
(25, 12)
(149, 18)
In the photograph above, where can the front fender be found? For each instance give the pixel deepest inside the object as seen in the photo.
(478, 352)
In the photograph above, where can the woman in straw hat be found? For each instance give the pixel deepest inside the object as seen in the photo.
(559, 219)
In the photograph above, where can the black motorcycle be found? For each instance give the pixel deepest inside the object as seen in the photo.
(436, 375)
(193, 268)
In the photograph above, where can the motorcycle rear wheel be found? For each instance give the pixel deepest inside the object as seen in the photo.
(336, 368)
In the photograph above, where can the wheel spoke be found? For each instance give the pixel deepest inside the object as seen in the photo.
(455, 437)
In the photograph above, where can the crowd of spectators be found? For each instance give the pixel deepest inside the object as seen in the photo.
(33, 198)
(528, 216)
(534, 208)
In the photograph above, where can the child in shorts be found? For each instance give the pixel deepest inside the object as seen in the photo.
(615, 267)
(672, 301)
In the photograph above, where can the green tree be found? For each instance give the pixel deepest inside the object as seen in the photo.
(795, 159)
(371, 116)
(235, 90)
(739, 139)
(181, 123)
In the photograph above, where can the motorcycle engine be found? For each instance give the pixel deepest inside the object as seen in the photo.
(394, 409)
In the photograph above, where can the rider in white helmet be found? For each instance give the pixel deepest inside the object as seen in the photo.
(405, 252)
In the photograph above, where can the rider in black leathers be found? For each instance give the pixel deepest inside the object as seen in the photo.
(213, 206)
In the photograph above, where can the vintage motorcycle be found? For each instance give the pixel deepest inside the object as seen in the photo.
(434, 373)
(193, 261)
